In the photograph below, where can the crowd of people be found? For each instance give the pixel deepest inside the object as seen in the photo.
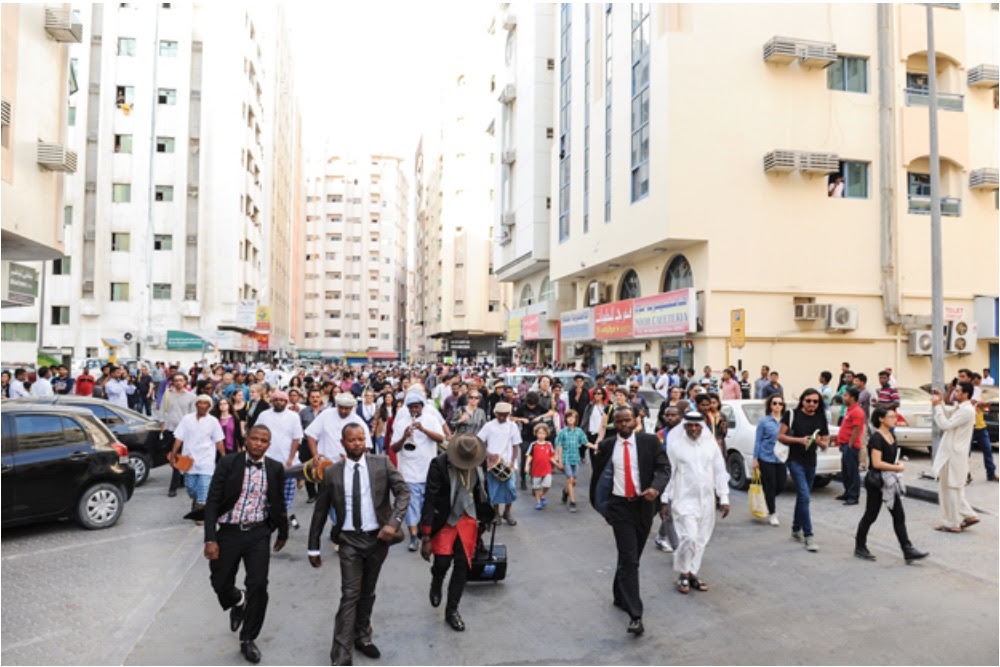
(455, 444)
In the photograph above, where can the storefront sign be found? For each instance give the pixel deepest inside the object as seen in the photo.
(20, 285)
(263, 340)
(374, 354)
(613, 320)
(460, 344)
(530, 327)
(263, 318)
(310, 354)
(514, 329)
(577, 325)
(668, 314)
(246, 313)
(182, 340)
(954, 313)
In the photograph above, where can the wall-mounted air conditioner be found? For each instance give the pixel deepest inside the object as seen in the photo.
(920, 343)
(842, 318)
(812, 311)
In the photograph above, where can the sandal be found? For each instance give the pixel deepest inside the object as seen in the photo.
(683, 586)
(511, 521)
(970, 521)
(697, 583)
(947, 529)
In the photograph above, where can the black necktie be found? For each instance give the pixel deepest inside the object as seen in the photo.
(356, 498)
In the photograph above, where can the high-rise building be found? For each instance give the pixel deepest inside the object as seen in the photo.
(35, 74)
(356, 219)
(458, 300)
(182, 203)
(761, 195)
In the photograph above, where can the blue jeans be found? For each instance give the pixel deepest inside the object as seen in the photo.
(197, 487)
(416, 505)
(802, 477)
(981, 441)
(849, 472)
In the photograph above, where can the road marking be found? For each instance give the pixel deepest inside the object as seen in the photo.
(76, 546)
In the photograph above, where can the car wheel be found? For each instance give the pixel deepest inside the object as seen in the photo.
(737, 472)
(141, 465)
(821, 480)
(100, 506)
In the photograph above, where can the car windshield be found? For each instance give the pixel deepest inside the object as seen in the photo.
(754, 412)
(913, 394)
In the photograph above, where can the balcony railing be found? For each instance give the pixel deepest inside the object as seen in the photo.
(921, 97)
(921, 205)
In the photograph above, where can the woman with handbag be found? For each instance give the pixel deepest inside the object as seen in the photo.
(767, 454)
(884, 483)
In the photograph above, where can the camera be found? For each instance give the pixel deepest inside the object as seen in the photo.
(409, 446)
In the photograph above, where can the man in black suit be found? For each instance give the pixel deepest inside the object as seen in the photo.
(639, 475)
(358, 490)
(246, 500)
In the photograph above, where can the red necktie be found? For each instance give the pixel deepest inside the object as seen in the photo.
(629, 483)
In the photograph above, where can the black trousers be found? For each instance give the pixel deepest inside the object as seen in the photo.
(630, 522)
(773, 477)
(873, 505)
(253, 548)
(456, 585)
(176, 478)
(361, 558)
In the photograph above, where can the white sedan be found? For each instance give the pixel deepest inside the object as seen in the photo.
(743, 416)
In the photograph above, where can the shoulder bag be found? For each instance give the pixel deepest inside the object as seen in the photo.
(780, 448)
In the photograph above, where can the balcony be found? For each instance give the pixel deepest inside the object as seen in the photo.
(984, 179)
(984, 76)
(62, 25)
(921, 205)
(809, 54)
(921, 97)
(54, 157)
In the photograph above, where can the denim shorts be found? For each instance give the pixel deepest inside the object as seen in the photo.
(571, 470)
(197, 487)
(541, 482)
(416, 503)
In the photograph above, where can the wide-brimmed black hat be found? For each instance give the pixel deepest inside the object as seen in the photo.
(466, 451)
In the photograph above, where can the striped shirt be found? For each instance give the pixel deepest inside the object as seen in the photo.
(251, 506)
(887, 395)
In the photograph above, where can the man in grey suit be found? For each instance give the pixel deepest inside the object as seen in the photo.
(358, 490)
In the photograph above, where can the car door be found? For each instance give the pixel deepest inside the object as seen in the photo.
(53, 454)
(8, 484)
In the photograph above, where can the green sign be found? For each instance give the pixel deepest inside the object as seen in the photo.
(182, 340)
(310, 354)
(22, 284)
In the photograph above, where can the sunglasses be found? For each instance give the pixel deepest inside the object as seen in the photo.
(776, 403)
(811, 402)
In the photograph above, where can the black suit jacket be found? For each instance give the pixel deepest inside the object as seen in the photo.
(382, 478)
(437, 497)
(250, 418)
(653, 465)
(227, 484)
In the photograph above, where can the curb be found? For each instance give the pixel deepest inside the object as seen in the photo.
(922, 494)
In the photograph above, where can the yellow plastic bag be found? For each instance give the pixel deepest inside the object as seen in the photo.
(758, 505)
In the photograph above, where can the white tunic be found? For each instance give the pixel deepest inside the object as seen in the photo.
(501, 439)
(328, 429)
(956, 423)
(286, 429)
(413, 464)
(200, 437)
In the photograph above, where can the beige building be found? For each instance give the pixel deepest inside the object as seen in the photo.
(34, 77)
(727, 126)
(356, 217)
(457, 298)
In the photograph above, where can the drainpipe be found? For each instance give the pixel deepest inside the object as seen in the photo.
(887, 169)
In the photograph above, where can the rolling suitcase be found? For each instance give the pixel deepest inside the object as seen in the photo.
(489, 564)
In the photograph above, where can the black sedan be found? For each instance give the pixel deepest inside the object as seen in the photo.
(139, 433)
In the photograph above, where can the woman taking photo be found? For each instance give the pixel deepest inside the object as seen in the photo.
(885, 487)
(773, 473)
(804, 430)
(230, 422)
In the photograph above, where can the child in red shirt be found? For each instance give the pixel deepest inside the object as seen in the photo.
(538, 461)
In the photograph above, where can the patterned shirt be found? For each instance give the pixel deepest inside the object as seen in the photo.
(887, 395)
(251, 506)
(571, 440)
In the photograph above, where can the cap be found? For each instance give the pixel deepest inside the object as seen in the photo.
(413, 398)
(503, 407)
(345, 399)
(279, 396)
(203, 398)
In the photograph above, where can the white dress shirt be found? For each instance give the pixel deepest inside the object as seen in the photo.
(413, 464)
(118, 392)
(618, 461)
(286, 430)
(42, 387)
(369, 521)
(17, 389)
(328, 429)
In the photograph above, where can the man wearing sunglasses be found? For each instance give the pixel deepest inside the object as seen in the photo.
(804, 430)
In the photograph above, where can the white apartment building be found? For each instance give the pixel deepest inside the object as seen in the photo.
(34, 154)
(457, 299)
(168, 219)
(356, 220)
(719, 131)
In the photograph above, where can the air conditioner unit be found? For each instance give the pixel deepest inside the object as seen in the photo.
(192, 239)
(5, 112)
(597, 293)
(920, 343)
(812, 311)
(781, 161)
(961, 338)
(88, 286)
(192, 191)
(91, 186)
(508, 219)
(508, 156)
(842, 318)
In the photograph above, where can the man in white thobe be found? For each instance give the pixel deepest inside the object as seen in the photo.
(286, 434)
(951, 463)
(325, 432)
(698, 474)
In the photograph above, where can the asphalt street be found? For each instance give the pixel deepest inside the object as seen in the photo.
(139, 594)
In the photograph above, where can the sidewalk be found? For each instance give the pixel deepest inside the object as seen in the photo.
(982, 495)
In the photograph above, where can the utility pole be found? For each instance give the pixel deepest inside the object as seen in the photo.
(937, 287)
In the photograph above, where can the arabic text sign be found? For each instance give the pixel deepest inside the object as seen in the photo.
(577, 325)
(668, 314)
(531, 327)
(613, 320)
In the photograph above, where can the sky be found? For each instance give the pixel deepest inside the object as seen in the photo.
(368, 73)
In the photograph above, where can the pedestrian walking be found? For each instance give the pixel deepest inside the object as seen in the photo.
(773, 473)
(569, 442)
(200, 437)
(503, 440)
(666, 536)
(416, 433)
(177, 402)
(852, 428)
(951, 463)
(286, 435)
(538, 464)
(804, 430)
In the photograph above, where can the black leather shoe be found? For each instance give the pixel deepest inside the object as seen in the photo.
(436, 592)
(172, 493)
(851, 501)
(910, 554)
(635, 627)
(368, 649)
(250, 651)
(293, 522)
(455, 621)
(236, 613)
(863, 553)
(841, 497)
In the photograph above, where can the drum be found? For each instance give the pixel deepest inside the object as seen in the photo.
(500, 469)
(313, 469)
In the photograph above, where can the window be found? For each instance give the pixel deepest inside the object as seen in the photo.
(849, 74)
(67, 216)
(547, 292)
(855, 181)
(121, 193)
(71, 117)
(678, 275)
(125, 95)
(630, 288)
(607, 110)
(163, 242)
(166, 96)
(60, 315)
(18, 332)
(119, 291)
(565, 93)
(918, 185)
(168, 48)
(73, 84)
(123, 143)
(126, 46)
(161, 291)
(38, 431)
(121, 241)
(527, 296)
(164, 193)
(164, 144)
(61, 266)
(640, 100)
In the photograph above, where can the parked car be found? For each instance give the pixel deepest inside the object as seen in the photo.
(139, 433)
(62, 462)
(742, 417)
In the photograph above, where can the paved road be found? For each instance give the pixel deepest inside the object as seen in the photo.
(138, 594)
